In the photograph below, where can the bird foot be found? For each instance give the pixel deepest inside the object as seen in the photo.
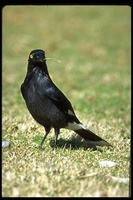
(40, 147)
(54, 150)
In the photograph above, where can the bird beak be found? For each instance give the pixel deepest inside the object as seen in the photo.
(40, 59)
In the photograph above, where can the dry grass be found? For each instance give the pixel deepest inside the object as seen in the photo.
(73, 171)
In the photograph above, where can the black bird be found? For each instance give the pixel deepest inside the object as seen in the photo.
(48, 105)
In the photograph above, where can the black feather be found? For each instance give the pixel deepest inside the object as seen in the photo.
(92, 138)
(47, 104)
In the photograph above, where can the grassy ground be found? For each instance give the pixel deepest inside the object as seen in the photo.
(93, 44)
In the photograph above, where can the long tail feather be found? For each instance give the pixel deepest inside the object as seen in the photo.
(92, 137)
(88, 135)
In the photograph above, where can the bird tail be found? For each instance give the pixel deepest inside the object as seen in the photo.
(92, 138)
(88, 135)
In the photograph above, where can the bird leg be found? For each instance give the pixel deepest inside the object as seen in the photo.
(47, 131)
(57, 130)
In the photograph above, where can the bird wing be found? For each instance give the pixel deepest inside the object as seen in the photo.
(60, 100)
(49, 89)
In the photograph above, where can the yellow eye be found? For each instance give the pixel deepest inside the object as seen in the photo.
(31, 56)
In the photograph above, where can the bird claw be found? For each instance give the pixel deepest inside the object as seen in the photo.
(54, 150)
(40, 147)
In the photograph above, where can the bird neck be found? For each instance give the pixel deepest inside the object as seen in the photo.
(39, 65)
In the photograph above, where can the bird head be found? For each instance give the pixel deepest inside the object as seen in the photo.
(36, 56)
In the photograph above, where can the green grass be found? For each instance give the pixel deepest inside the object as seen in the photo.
(93, 44)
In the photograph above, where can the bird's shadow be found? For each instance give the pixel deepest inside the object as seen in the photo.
(76, 142)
